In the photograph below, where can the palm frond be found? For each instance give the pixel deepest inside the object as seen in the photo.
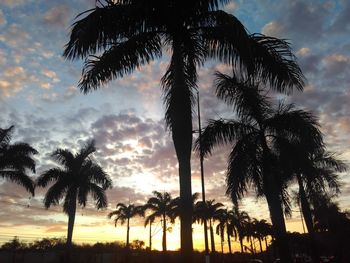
(297, 125)
(49, 176)
(6, 135)
(19, 178)
(64, 157)
(101, 28)
(275, 63)
(98, 194)
(84, 153)
(55, 193)
(244, 168)
(219, 132)
(227, 40)
(97, 175)
(243, 95)
(119, 60)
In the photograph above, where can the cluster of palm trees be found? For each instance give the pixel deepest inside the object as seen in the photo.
(273, 144)
(117, 37)
(76, 177)
(229, 223)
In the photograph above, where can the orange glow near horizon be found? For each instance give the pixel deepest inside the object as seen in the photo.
(106, 232)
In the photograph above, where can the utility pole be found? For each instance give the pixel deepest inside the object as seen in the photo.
(207, 257)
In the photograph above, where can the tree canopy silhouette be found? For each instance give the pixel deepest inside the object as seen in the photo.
(16, 159)
(78, 176)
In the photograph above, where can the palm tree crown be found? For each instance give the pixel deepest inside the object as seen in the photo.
(123, 214)
(15, 159)
(209, 211)
(163, 206)
(78, 177)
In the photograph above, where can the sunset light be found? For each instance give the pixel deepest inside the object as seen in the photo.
(99, 137)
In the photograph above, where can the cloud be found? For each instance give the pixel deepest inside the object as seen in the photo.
(12, 3)
(2, 18)
(14, 36)
(12, 80)
(341, 23)
(274, 29)
(57, 16)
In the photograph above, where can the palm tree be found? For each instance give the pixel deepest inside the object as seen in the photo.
(131, 33)
(15, 159)
(150, 220)
(316, 172)
(258, 227)
(258, 135)
(238, 220)
(225, 226)
(263, 230)
(163, 206)
(123, 214)
(78, 176)
(209, 211)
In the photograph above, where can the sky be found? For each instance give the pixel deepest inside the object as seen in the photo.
(39, 96)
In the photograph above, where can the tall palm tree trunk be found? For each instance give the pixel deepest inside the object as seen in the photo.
(164, 233)
(229, 242)
(251, 245)
(266, 243)
(305, 207)
(180, 112)
(241, 243)
(275, 207)
(212, 236)
(278, 225)
(71, 219)
(127, 232)
(261, 249)
(150, 236)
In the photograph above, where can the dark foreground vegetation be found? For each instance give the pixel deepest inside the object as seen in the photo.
(53, 250)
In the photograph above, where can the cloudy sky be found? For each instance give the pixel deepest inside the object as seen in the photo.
(38, 95)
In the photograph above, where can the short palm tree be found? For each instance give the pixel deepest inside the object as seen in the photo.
(163, 206)
(209, 211)
(257, 137)
(119, 36)
(238, 221)
(123, 214)
(78, 176)
(15, 159)
(149, 221)
(225, 227)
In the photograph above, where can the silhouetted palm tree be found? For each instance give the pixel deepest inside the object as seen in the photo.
(258, 135)
(238, 220)
(316, 172)
(263, 229)
(132, 33)
(149, 221)
(15, 159)
(164, 207)
(225, 226)
(329, 218)
(209, 211)
(258, 229)
(78, 176)
(123, 214)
